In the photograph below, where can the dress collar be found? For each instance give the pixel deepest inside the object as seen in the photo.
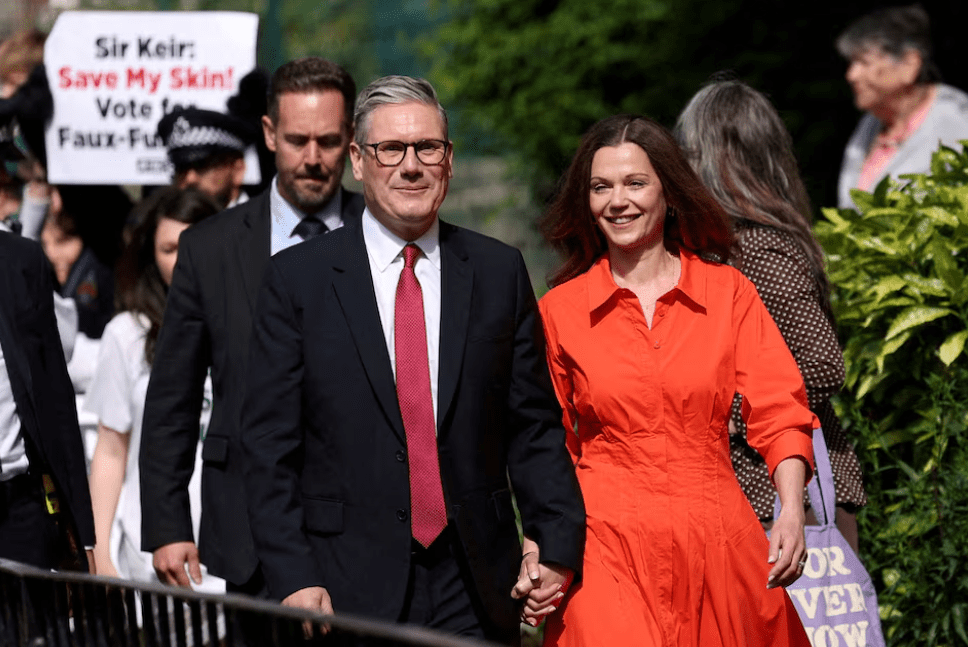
(692, 281)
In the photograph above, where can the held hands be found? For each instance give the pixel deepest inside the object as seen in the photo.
(313, 598)
(170, 563)
(788, 548)
(542, 586)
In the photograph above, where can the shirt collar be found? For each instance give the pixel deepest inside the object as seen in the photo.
(384, 246)
(691, 285)
(242, 198)
(287, 216)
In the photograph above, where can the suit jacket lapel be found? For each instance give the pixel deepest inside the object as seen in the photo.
(354, 289)
(253, 245)
(456, 285)
(254, 237)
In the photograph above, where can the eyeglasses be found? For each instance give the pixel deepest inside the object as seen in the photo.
(428, 151)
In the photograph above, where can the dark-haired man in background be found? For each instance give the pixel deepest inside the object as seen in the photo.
(208, 320)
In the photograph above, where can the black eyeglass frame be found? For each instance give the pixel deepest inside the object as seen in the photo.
(407, 145)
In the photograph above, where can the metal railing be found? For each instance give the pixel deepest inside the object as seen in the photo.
(65, 609)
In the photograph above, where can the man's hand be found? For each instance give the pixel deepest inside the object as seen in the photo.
(313, 598)
(170, 563)
(544, 585)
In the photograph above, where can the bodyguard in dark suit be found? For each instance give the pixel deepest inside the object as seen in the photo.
(397, 395)
(208, 320)
(39, 437)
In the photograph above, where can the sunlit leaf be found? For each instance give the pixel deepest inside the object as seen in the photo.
(891, 576)
(913, 317)
(889, 212)
(892, 438)
(941, 215)
(952, 347)
(835, 217)
(889, 347)
(925, 285)
(866, 384)
(888, 285)
(958, 621)
(909, 526)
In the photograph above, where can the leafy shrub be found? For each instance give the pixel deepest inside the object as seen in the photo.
(899, 263)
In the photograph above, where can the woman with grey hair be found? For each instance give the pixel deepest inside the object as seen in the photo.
(908, 110)
(741, 150)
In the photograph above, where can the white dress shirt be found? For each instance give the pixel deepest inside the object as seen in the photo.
(13, 454)
(384, 249)
(285, 217)
(242, 198)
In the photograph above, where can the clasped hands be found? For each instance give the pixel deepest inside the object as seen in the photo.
(541, 586)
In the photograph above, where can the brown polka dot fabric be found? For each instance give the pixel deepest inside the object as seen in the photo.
(779, 269)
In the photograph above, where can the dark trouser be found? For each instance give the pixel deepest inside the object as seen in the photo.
(247, 630)
(28, 534)
(438, 597)
(439, 593)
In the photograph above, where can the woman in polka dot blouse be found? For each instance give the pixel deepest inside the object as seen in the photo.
(737, 143)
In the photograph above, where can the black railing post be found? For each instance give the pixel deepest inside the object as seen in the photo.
(44, 609)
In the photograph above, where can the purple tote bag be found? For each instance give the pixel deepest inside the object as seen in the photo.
(835, 596)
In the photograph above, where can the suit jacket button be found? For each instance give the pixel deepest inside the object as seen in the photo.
(401, 515)
(401, 457)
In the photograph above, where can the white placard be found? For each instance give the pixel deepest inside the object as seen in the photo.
(115, 74)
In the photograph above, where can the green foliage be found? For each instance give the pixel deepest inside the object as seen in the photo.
(533, 75)
(539, 72)
(339, 30)
(899, 263)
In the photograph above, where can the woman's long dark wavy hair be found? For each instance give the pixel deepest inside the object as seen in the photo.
(696, 221)
(744, 154)
(140, 288)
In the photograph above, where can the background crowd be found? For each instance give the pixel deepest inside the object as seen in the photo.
(113, 253)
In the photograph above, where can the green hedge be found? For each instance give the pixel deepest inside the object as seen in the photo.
(899, 264)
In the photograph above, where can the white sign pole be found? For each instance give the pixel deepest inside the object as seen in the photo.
(115, 74)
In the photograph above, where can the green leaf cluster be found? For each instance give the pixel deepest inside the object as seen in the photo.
(538, 73)
(899, 263)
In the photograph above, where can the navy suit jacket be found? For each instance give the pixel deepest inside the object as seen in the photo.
(325, 449)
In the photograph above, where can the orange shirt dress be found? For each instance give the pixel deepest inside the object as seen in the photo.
(674, 556)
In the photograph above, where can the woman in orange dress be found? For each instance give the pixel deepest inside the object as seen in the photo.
(647, 342)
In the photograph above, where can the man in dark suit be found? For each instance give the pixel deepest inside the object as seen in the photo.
(44, 495)
(208, 321)
(397, 394)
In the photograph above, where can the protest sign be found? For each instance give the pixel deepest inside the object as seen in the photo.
(115, 74)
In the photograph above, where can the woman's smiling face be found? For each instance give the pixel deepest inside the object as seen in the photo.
(626, 197)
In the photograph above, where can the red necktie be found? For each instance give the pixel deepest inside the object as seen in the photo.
(428, 515)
